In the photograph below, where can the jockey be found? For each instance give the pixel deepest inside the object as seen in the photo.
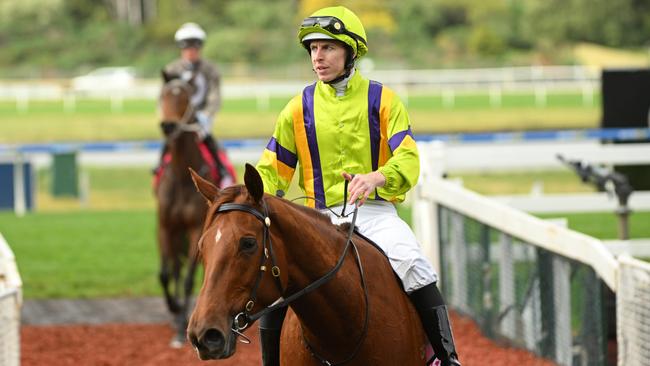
(346, 127)
(206, 99)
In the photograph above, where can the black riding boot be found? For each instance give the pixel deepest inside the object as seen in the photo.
(270, 330)
(433, 315)
(213, 147)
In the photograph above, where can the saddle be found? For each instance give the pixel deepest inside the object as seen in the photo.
(214, 171)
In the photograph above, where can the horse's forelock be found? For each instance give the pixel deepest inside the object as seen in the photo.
(226, 195)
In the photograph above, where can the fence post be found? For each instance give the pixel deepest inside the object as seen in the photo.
(19, 186)
(425, 212)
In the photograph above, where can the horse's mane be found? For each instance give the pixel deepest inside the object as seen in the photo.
(229, 194)
(316, 215)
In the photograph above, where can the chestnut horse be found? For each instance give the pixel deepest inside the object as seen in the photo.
(180, 208)
(260, 252)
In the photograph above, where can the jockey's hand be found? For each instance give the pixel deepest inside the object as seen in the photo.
(362, 185)
(205, 121)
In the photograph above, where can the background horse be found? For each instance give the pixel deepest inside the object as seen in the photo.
(180, 208)
(369, 324)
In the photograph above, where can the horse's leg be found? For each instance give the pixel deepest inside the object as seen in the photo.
(188, 286)
(166, 254)
(192, 262)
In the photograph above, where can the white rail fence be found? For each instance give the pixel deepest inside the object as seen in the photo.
(446, 214)
(530, 156)
(449, 84)
(10, 304)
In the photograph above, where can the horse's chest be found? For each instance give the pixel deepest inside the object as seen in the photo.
(183, 207)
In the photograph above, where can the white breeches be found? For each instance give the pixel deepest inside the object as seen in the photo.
(379, 222)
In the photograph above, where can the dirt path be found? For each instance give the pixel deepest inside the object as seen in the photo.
(125, 332)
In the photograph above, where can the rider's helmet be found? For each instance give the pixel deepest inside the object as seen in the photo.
(189, 35)
(339, 23)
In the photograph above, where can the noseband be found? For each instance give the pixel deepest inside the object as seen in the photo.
(244, 318)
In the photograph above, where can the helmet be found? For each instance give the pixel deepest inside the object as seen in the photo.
(336, 22)
(189, 34)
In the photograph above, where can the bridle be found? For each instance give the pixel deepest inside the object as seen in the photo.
(244, 318)
(185, 123)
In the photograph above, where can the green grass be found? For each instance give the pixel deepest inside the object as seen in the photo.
(521, 182)
(124, 188)
(84, 254)
(95, 120)
(604, 225)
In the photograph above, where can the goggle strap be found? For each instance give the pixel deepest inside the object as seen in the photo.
(330, 27)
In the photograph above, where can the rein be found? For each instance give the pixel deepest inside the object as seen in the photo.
(244, 318)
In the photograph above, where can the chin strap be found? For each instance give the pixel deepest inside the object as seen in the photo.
(341, 77)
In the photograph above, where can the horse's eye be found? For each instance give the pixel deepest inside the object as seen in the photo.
(247, 244)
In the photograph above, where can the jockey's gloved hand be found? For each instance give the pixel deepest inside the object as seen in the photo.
(205, 121)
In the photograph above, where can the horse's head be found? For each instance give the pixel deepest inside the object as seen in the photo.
(237, 259)
(175, 103)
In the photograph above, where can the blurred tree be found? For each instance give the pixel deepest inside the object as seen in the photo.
(421, 22)
(253, 32)
(66, 37)
(83, 11)
(612, 23)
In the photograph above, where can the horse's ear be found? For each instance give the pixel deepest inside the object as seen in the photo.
(254, 182)
(166, 76)
(206, 188)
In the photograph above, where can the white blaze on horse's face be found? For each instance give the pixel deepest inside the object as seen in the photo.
(217, 236)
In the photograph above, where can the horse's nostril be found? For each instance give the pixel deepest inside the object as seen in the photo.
(214, 340)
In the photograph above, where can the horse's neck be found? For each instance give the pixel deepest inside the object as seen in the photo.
(313, 248)
(185, 153)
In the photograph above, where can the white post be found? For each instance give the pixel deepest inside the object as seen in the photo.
(117, 101)
(507, 296)
(495, 96)
(19, 186)
(22, 101)
(448, 98)
(69, 103)
(587, 95)
(263, 100)
(425, 212)
(540, 96)
(561, 270)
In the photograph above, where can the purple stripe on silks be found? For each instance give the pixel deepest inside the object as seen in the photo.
(284, 155)
(374, 102)
(310, 130)
(397, 138)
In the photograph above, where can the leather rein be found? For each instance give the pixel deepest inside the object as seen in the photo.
(244, 318)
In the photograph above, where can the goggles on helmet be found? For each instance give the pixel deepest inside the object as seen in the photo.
(190, 43)
(331, 24)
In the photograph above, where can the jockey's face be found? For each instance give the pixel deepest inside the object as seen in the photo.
(191, 54)
(327, 59)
